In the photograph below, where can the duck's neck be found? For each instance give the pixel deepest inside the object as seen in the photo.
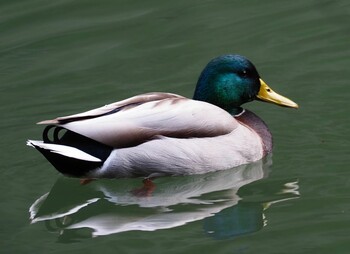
(233, 110)
(212, 90)
(237, 111)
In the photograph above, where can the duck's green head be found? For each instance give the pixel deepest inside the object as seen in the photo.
(229, 81)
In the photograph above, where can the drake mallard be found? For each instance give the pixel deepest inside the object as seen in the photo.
(158, 134)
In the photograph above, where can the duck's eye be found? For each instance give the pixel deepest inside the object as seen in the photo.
(244, 73)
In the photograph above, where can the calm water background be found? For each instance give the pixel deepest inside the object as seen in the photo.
(64, 57)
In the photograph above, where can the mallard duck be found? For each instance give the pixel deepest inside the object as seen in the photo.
(157, 134)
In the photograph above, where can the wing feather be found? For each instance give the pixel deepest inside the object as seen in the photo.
(149, 116)
(113, 107)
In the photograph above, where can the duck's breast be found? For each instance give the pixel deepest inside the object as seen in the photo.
(256, 124)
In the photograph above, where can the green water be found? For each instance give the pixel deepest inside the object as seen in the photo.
(64, 57)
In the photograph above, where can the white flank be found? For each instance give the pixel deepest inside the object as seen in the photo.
(67, 151)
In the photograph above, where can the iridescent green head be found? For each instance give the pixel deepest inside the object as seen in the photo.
(229, 81)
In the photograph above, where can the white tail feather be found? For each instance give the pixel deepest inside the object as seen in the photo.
(67, 151)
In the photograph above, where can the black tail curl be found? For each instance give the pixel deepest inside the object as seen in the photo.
(68, 165)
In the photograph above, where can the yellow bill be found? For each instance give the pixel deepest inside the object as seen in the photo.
(268, 95)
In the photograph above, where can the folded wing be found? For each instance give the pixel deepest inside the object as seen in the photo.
(144, 117)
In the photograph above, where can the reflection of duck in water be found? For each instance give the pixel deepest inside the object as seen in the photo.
(166, 134)
(176, 201)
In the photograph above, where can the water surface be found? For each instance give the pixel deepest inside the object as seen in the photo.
(64, 57)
